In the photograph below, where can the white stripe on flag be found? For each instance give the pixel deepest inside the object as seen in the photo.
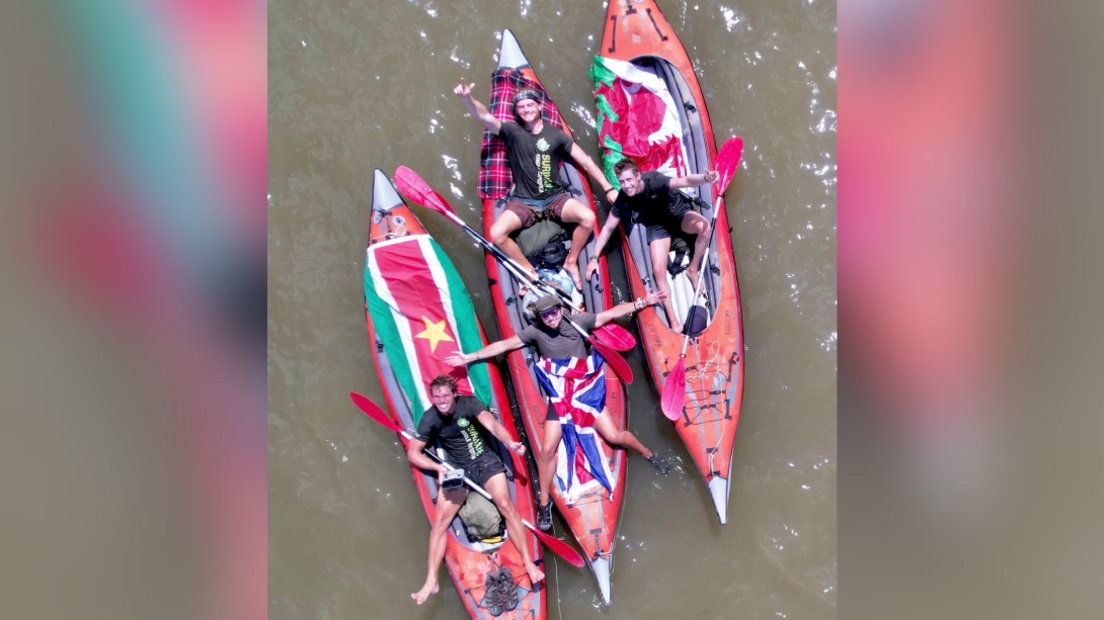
(441, 281)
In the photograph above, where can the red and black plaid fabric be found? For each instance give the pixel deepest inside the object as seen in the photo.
(494, 168)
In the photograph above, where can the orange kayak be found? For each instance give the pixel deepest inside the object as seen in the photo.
(642, 63)
(593, 519)
(417, 315)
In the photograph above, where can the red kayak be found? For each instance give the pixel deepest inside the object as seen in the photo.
(418, 313)
(593, 519)
(650, 108)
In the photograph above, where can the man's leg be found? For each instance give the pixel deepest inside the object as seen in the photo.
(500, 493)
(695, 224)
(604, 425)
(448, 504)
(507, 223)
(546, 460)
(576, 213)
(660, 248)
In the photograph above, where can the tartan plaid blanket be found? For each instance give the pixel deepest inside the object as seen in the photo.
(494, 168)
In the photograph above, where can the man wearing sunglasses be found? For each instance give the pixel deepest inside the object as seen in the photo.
(556, 339)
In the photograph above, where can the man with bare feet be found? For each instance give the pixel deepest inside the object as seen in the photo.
(535, 151)
(557, 340)
(452, 420)
(662, 211)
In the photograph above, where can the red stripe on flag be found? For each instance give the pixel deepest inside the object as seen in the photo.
(411, 284)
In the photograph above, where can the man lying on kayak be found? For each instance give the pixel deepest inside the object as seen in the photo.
(535, 151)
(452, 420)
(559, 342)
(663, 211)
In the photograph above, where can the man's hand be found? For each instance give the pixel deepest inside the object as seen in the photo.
(463, 90)
(712, 176)
(592, 268)
(518, 448)
(655, 297)
(440, 476)
(458, 359)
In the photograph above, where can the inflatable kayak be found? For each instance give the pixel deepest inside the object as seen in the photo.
(418, 313)
(593, 518)
(650, 108)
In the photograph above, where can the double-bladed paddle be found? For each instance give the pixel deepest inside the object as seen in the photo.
(376, 413)
(674, 389)
(412, 185)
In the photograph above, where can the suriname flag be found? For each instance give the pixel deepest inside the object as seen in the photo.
(637, 119)
(422, 312)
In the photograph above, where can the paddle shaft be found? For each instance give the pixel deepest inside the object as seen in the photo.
(520, 273)
(718, 192)
(515, 269)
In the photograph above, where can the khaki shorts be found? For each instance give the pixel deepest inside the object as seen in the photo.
(529, 216)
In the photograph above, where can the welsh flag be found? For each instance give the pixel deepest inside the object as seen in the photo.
(637, 118)
(422, 312)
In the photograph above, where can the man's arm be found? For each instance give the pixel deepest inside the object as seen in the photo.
(586, 163)
(694, 180)
(487, 419)
(491, 350)
(478, 110)
(628, 308)
(600, 243)
(416, 458)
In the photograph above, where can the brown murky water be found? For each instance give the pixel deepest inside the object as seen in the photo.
(355, 86)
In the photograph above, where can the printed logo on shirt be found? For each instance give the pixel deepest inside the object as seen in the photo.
(542, 144)
(544, 172)
(462, 422)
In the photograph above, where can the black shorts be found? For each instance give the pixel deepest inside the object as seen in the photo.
(672, 225)
(551, 416)
(484, 467)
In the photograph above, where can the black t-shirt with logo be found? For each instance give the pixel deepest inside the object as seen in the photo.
(535, 159)
(656, 203)
(461, 434)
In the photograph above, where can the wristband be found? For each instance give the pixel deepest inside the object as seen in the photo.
(595, 257)
(639, 304)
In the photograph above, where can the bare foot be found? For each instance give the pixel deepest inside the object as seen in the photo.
(693, 275)
(676, 327)
(421, 595)
(573, 269)
(535, 574)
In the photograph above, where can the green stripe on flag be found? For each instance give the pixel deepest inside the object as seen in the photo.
(611, 151)
(599, 72)
(467, 327)
(388, 333)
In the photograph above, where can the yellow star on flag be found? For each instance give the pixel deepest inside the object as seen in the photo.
(434, 332)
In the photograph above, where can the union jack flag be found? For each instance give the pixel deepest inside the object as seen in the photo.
(576, 387)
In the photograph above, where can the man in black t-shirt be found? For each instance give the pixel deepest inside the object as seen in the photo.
(555, 338)
(535, 151)
(653, 198)
(460, 424)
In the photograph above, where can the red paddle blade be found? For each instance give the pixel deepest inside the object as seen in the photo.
(373, 410)
(614, 360)
(419, 191)
(674, 391)
(561, 548)
(615, 337)
(727, 161)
